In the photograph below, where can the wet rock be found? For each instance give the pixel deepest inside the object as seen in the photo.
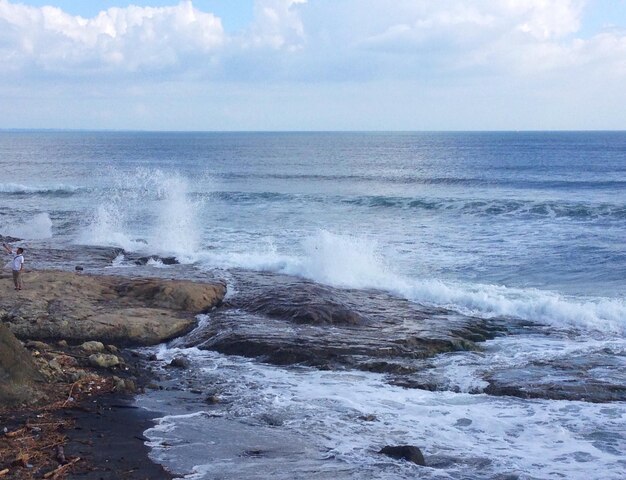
(113, 349)
(285, 320)
(404, 452)
(463, 422)
(212, 399)
(180, 362)
(368, 418)
(62, 344)
(306, 303)
(103, 360)
(558, 379)
(152, 357)
(92, 347)
(19, 377)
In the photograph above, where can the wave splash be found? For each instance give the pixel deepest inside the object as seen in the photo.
(150, 210)
(347, 261)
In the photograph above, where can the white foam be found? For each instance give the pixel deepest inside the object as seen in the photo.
(36, 228)
(472, 436)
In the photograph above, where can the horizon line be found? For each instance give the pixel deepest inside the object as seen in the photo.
(132, 130)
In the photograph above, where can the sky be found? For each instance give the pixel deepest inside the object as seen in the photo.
(223, 65)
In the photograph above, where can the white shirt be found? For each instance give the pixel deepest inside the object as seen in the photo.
(18, 261)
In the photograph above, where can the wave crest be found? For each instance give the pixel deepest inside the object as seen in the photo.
(57, 190)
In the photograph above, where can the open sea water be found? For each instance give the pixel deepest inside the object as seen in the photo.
(522, 226)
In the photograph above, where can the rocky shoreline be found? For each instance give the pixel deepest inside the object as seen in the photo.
(68, 373)
(69, 367)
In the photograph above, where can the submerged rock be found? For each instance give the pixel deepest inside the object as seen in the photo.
(404, 452)
(180, 362)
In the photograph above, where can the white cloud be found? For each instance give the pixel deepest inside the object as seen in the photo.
(443, 37)
(277, 25)
(398, 55)
(126, 39)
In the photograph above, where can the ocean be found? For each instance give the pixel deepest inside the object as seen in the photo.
(521, 233)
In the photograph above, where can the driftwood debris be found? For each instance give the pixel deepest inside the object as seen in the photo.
(61, 469)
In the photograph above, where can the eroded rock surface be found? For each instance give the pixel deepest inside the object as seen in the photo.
(77, 308)
(286, 320)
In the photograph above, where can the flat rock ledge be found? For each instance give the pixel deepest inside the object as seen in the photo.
(56, 305)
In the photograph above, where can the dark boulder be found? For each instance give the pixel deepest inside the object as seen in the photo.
(180, 362)
(404, 452)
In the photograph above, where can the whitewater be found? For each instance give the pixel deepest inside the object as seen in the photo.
(522, 229)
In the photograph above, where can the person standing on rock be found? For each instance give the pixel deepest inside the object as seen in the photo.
(17, 265)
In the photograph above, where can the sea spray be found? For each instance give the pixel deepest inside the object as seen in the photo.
(176, 227)
(148, 210)
(343, 261)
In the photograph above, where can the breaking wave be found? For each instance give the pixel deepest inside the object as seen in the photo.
(347, 261)
(56, 190)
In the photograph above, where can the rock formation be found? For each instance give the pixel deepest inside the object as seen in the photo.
(122, 311)
(18, 374)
